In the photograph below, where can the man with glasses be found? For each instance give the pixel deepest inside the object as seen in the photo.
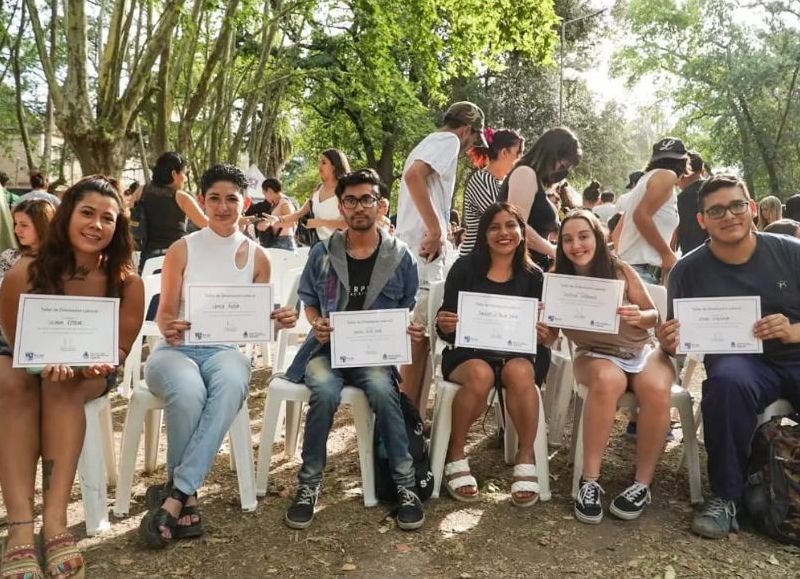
(738, 261)
(360, 268)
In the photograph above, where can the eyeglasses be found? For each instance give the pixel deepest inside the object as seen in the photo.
(736, 208)
(366, 201)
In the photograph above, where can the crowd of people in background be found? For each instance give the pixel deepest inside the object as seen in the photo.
(676, 224)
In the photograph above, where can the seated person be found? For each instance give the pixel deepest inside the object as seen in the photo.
(609, 365)
(31, 223)
(739, 262)
(203, 386)
(87, 252)
(498, 264)
(361, 268)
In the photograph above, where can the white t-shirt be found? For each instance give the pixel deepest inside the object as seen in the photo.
(439, 150)
(605, 211)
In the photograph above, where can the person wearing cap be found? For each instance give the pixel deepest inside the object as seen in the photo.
(792, 208)
(689, 234)
(651, 212)
(423, 213)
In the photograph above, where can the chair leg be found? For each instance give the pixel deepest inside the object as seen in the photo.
(152, 432)
(540, 452)
(690, 449)
(440, 434)
(510, 438)
(294, 416)
(269, 424)
(231, 454)
(131, 434)
(107, 437)
(242, 448)
(91, 471)
(577, 412)
(362, 413)
(133, 369)
(577, 445)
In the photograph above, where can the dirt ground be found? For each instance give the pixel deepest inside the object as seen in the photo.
(490, 538)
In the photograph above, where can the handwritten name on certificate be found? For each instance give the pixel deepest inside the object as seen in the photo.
(71, 330)
(229, 313)
(370, 338)
(582, 303)
(718, 325)
(496, 322)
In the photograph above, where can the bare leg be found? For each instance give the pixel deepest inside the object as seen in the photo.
(652, 388)
(19, 448)
(523, 408)
(413, 374)
(606, 383)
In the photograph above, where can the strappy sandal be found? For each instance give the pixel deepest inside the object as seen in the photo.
(155, 519)
(62, 556)
(20, 562)
(155, 497)
(457, 476)
(525, 481)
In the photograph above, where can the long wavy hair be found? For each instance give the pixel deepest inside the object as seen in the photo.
(338, 159)
(481, 254)
(40, 213)
(55, 260)
(604, 264)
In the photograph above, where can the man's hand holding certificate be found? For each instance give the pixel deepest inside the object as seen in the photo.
(369, 338)
(496, 322)
(228, 314)
(718, 325)
(582, 303)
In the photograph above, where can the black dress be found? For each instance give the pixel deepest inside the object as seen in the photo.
(464, 276)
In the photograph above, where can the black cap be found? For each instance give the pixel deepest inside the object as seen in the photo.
(633, 178)
(669, 148)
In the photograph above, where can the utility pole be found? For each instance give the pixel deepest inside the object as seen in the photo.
(564, 24)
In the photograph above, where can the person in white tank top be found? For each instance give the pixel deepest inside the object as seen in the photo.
(651, 212)
(203, 386)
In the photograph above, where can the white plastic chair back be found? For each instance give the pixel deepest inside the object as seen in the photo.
(659, 295)
(153, 265)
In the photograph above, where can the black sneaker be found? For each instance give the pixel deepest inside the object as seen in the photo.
(301, 513)
(588, 508)
(409, 510)
(630, 503)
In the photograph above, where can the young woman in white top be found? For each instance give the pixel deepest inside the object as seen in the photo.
(323, 203)
(203, 386)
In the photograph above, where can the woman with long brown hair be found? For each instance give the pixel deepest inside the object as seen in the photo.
(31, 222)
(87, 252)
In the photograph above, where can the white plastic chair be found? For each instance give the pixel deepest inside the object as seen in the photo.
(780, 407)
(97, 465)
(680, 398)
(443, 415)
(133, 363)
(153, 265)
(558, 392)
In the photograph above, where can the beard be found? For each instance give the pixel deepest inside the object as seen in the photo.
(363, 224)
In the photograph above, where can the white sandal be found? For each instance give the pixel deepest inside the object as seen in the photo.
(525, 481)
(457, 476)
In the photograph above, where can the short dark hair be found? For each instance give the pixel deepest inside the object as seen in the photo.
(696, 163)
(607, 196)
(359, 177)
(783, 227)
(223, 173)
(678, 166)
(166, 164)
(792, 210)
(4, 178)
(718, 182)
(271, 183)
(38, 180)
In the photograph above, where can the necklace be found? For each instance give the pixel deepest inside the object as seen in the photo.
(347, 245)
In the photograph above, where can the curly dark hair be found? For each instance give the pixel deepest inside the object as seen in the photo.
(605, 265)
(223, 173)
(55, 260)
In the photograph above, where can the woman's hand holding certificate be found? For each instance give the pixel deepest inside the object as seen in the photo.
(584, 303)
(228, 314)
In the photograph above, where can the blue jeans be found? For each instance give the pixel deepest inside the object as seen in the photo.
(648, 273)
(204, 388)
(378, 384)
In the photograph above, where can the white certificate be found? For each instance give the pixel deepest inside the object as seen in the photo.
(718, 325)
(70, 330)
(370, 338)
(577, 302)
(229, 313)
(496, 322)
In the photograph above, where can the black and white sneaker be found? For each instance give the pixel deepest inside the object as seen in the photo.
(629, 504)
(588, 508)
(301, 513)
(409, 510)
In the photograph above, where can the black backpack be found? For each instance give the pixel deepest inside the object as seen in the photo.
(385, 488)
(772, 490)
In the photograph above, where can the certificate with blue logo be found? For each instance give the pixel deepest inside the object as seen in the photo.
(228, 313)
(70, 330)
(718, 325)
(370, 338)
(578, 302)
(496, 322)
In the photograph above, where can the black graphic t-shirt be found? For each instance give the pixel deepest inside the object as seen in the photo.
(359, 271)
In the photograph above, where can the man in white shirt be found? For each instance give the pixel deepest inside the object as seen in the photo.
(423, 212)
(607, 208)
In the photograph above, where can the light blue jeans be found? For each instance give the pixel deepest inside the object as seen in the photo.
(204, 388)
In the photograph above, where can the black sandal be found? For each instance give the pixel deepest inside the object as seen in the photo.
(155, 497)
(150, 527)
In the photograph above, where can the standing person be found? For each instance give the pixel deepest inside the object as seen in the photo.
(7, 239)
(203, 386)
(770, 209)
(499, 264)
(31, 224)
(87, 252)
(362, 268)
(10, 198)
(549, 161)
(651, 213)
(493, 162)
(38, 190)
(273, 232)
(322, 205)
(607, 208)
(788, 227)
(423, 214)
(590, 198)
(792, 210)
(738, 261)
(383, 215)
(689, 234)
(165, 207)
(609, 365)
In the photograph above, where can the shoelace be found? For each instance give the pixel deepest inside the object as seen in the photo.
(633, 492)
(717, 506)
(406, 497)
(305, 496)
(590, 493)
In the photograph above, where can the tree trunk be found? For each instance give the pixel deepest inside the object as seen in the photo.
(20, 108)
(160, 141)
(99, 153)
(50, 121)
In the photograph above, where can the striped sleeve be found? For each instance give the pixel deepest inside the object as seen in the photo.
(481, 191)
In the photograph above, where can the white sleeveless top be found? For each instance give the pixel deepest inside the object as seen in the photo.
(211, 258)
(633, 248)
(328, 209)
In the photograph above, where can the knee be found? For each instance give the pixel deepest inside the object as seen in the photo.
(480, 376)
(17, 386)
(729, 378)
(326, 398)
(518, 372)
(607, 381)
(189, 397)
